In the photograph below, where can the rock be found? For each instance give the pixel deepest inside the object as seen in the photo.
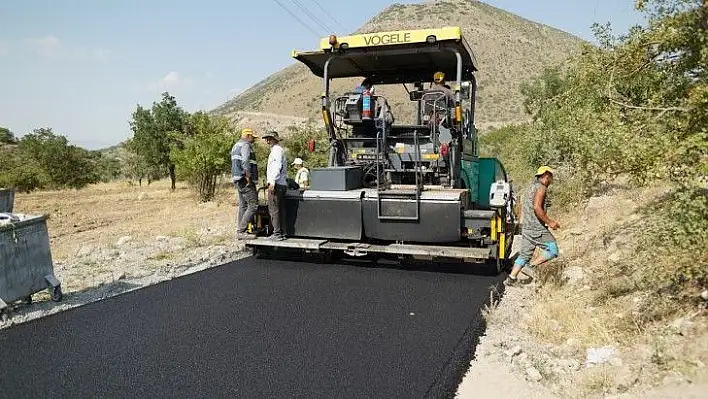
(599, 355)
(681, 326)
(625, 378)
(574, 275)
(572, 343)
(614, 257)
(117, 276)
(704, 295)
(124, 240)
(699, 364)
(161, 238)
(672, 380)
(85, 250)
(533, 374)
(522, 358)
(515, 351)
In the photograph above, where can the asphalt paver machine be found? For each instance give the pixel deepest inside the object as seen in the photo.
(418, 191)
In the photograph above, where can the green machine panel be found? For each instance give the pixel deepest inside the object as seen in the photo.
(490, 170)
(470, 178)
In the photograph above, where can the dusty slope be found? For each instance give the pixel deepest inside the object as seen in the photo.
(510, 49)
(542, 339)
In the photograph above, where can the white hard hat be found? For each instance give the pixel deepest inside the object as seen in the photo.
(297, 161)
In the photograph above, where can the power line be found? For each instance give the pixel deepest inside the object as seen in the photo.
(312, 16)
(298, 19)
(329, 15)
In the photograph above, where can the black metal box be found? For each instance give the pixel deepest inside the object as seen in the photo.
(336, 178)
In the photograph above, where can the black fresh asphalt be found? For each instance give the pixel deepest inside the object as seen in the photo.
(258, 328)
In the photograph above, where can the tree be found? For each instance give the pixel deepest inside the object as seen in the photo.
(22, 172)
(205, 155)
(66, 165)
(6, 136)
(157, 132)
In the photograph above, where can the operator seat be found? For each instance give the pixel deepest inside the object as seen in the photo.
(437, 107)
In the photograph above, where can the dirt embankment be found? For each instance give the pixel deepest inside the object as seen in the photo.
(574, 333)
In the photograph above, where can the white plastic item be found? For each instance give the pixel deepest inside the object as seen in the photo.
(499, 194)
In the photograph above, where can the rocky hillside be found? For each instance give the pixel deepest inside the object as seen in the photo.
(510, 49)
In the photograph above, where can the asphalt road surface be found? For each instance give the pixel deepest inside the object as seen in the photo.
(258, 328)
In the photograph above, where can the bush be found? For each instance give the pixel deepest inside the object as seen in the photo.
(43, 159)
(205, 155)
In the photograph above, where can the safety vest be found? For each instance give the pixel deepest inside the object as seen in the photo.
(240, 149)
(302, 177)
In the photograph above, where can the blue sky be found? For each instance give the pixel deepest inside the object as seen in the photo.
(81, 66)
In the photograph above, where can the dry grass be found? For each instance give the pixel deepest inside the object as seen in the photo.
(563, 314)
(100, 215)
(654, 335)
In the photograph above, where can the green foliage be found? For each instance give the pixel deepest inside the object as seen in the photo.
(156, 133)
(67, 166)
(108, 168)
(675, 238)
(22, 172)
(205, 154)
(636, 106)
(6, 136)
(296, 142)
(44, 159)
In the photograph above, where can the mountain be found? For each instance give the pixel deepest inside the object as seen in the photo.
(509, 49)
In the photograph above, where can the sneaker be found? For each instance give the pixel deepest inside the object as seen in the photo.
(526, 281)
(510, 282)
(276, 237)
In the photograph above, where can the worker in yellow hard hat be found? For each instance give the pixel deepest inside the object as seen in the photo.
(439, 84)
(437, 108)
(536, 223)
(244, 173)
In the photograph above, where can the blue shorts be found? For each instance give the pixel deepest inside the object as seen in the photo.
(536, 239)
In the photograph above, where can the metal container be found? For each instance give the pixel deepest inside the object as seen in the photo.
(336, 178)
(7, 199)
(324, 214)
(26, 261)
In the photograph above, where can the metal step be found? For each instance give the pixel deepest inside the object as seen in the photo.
(363, 249)
(297, 243)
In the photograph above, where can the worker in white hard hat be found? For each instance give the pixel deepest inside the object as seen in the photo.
(302, 177)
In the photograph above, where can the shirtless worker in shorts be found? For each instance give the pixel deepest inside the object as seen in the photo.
(535, 224)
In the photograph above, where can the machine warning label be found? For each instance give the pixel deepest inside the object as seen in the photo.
(387, 38)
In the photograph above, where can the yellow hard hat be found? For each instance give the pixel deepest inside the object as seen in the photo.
(248, 132)
(544, 169)
(438, 76)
